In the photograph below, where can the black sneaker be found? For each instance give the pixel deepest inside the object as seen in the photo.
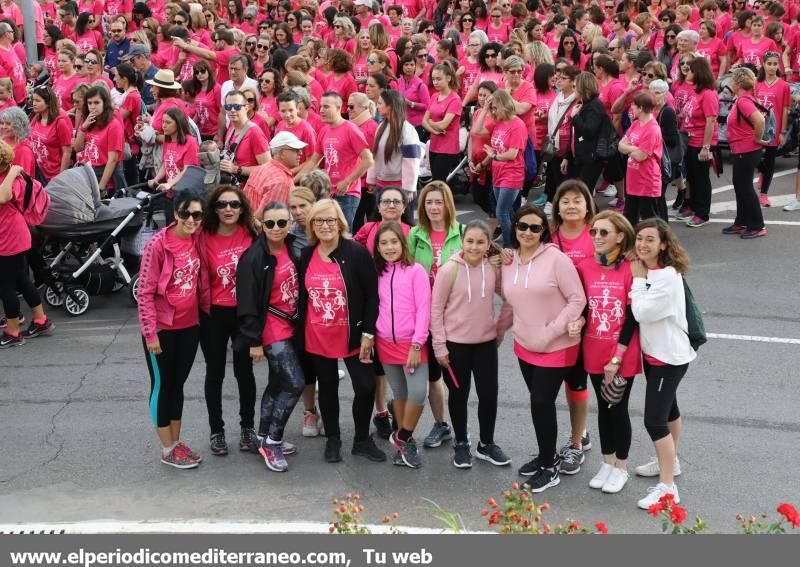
(35, 329)
(529, 468)
(493, 454)
(248, 440)
(543, 479)
(333, 450)
(8, 341)
(463, 456)
(217, 444)
(367, 448)
(586, 442)
(383, 425)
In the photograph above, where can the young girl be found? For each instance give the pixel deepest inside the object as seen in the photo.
(442, 121)
(169, 321)
(465, 341)
(772, 92)
(404, 316)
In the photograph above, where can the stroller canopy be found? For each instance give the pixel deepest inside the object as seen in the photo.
(74, 198)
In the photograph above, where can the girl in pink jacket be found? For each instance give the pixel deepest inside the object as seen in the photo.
(169, 321)
(404, 316)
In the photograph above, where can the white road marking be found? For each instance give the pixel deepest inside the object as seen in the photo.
(754, 338)
(777, 201)
(755, 180)
(730, 221)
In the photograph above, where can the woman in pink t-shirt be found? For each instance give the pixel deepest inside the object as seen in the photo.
(643, 144)
(772, 92)
(179, 150)
(101, 138)
(610, 342)
(207, 101)
(488, 59)
(442, 120)
(712, 48)
(362, 52)
(752, 49)
(479, 136)
(746, 138)
(67, 79)
(228, 231)
(51, 133)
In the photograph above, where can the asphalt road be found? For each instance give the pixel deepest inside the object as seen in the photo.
(77, 443)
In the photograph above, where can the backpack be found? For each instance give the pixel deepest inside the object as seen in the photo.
(694, 319)
(36, 202)
(608, 141)
(770, 125)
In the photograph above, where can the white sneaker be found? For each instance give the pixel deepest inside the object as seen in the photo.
(601, 477)
(548, 208)
(612, 203)
(653, 469)
(616, 481)
(654, 494)
(610, 191)
(792, 206)
(341, 374)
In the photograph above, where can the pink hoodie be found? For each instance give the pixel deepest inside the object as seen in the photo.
(541, 297)
(462, 307)
(404, 312)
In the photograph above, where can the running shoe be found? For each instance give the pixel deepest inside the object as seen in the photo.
(179, 459)
(333, 450)
(4, 321)
(248, 440)
(8, 341)
(383, 425)
(586, 442)
(462, 458)
(530, 468)
(273, 456)
(653, 469)
(409, 454)
(194, 455)
(696, 222)
(751, 234)
(310, 423)
(217, 444)
(288, 448)
(655, 493)
(493, 454)
(763, 200)
(540, 200)
(572, 459)
(616, 481)
(599, 480)
(734, 229)
(684, 214)
(620, 206)
(610, 191)
(543, 479)
(35, 329)
(367, 448)
(440, 432)
(792, 206)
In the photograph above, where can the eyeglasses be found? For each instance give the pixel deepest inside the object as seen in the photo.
(570, 42)
(222, 205)
(90, 61)
(235, 107)
(262, 47)
(391, 202)
(266, 81)
(473, 45)
(534, 228)
(184, 214)
(251, 100)
(270, 224)
(603, 232)
(514, 71)
(250, 44)
(371, 61)
(117, 31)
(330, 221)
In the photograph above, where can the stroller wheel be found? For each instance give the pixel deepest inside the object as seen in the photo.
(134, 289)
(76, 301)
(54, 295)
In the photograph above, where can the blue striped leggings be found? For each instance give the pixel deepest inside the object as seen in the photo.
(169, 371)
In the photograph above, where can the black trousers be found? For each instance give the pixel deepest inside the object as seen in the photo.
(660, 400)
(544, 384)
(613, 422)
(767, 167)
(442, 165)
(640, 208)
(698, 176)
(168, 373)
(14, 277)
(748, 208)
(216, 331)
(466, 361)
(363, 379)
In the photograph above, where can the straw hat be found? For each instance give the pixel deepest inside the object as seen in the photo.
(164, 79)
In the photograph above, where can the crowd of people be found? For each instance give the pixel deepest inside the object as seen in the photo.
(318, 244)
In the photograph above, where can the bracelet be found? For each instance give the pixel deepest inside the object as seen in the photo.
(619, 354)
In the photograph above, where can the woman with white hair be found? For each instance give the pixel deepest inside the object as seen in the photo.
(668, 122)
(15, 129)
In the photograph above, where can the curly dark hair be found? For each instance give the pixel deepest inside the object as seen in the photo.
(339, 61)
(211, 219)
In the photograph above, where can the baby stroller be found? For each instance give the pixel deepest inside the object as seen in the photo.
(726, 100)
(82, 239)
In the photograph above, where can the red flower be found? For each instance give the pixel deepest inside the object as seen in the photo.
(601, 527)
(678, 514)
(574, 525)
(655, 509)
(790, 513)
(668, 499)
(495, 517)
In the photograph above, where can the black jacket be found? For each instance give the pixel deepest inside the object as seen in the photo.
(255, 274)
(361, 287)
(586, 129)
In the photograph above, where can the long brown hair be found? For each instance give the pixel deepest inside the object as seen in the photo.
(674, 254)
(211, 219)
(397, 116)
(405, 256)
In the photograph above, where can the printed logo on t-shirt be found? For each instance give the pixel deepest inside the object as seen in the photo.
(39, 149)
(184, 277)
(331, 155)
(290, 293)
(91, 152)
(327, 302)
(605, 313)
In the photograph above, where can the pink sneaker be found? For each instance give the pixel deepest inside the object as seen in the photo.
(620, 206)
(763, 199)
(310, 424)
(179, 459)
(194, 455)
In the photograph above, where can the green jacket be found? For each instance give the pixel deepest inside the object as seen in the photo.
(419, 244)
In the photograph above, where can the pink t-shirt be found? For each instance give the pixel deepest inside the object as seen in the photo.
(207, 105)
(11, 68)
(526, 93)
(778, 97)
(222, 255)
(712, 50)
(607, 296)
(47, 142)
(700, 106)
(753, 53)
(437, 243)
(610, 92)
(505, 136)
(740, 132)
(344, 85)
(563, 358)
(543, 103)
(99, 142)
(446, 143)
(360, 70)
(341, 149)
(252, 145)
(499, 34)
(472, 72)
(163, 106)
(118, 7)
(643, 178)
(681, 92)
(177, 156)
(578, 248)
(327, 326)
(91, 39)
(223, 58)
(16, 236)
(283, 296)
(63, 88)
(181, 291)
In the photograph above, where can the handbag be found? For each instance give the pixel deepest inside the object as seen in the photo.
(549, 146)
(613, 392)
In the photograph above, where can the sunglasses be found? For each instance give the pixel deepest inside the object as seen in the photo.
(601, 231)
(270, 224)
(90, 61)
(179, 22)
(351, 106)
(184, 214)
(428, 31)
(664, 19)
(685, 63)
(371, 61)
(534, 228)
(391, 202)
(329, 221)
(650, 75)
(491, 55)
(251, 101)
(569, 43)
(467, 20)
(262, 47)
(222, 205)
(78, 67)
(267, 81)
(235, 107)
(250, 44)
(670, 36)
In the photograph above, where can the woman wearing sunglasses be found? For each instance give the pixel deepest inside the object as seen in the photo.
(543, 298)
(207, 100)
(227, 232)
(169, 322)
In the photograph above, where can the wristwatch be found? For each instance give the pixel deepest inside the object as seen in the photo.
(616, 360)
(369, 336)
(416, 347)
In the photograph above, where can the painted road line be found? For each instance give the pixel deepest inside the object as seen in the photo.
(755, 180)
(777, 201)
(730, 221)
(754, 338)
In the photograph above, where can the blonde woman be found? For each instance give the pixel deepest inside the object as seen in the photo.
(539, 53)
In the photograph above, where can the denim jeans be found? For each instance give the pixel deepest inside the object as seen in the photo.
(506, 203)
(349, 204)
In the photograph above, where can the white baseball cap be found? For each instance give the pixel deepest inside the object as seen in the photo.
(367, 3)
(284, 139)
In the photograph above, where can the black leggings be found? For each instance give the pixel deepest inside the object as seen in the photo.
(216, 330)
(363, 379)
(698, 176)
(544, 384)
(660, 401)
(480, 361)
(442, 165)
(13, 278)
(168, 373)
(614, 422)
(748, 209)
(640, 208)
(366, 209)
(286, 383)
(553, 177)
(767, 167)
(482, 193)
